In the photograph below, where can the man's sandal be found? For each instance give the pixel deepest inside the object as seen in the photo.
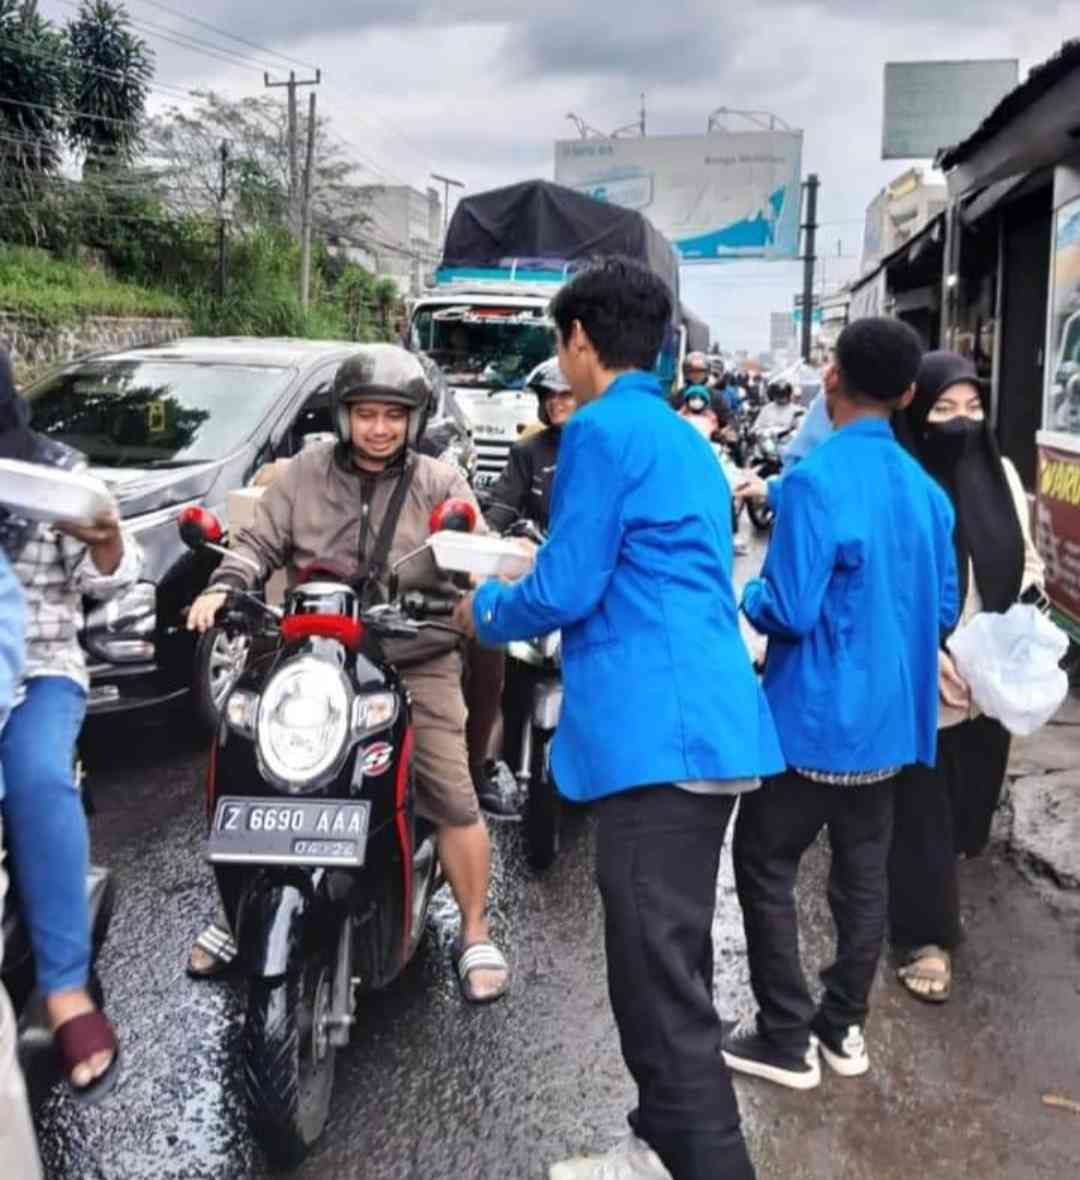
(217, 944)
(919, 969)
(79, 1039)
(480, 956)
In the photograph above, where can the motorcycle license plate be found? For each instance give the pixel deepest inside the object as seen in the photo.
(300, 832)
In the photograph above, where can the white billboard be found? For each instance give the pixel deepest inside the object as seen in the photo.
(935, 104)
(721, 195)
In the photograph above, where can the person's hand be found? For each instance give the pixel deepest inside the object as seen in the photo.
(528, 549)
(102, 537)
(204, 609)
(729, 434)
(463, 615)
(751, 488)
(953, 688)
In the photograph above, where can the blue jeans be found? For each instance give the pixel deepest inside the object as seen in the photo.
(45, 829)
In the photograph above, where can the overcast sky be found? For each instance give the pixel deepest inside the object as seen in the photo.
(480, 89)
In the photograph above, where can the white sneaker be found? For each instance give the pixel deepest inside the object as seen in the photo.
(632, 1159)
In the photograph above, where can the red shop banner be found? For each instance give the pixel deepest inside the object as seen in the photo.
(1058, 528)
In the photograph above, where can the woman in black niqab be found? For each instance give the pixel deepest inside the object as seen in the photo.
(945, 811)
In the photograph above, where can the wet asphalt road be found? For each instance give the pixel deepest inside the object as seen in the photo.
(432, 1089)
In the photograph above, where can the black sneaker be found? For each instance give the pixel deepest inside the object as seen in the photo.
(746, 1051)
(497, 792)
(843, 1049)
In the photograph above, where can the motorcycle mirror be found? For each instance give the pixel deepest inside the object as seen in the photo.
(199, 527)
(458, 516)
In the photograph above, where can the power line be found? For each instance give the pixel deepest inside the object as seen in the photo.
(225, 33)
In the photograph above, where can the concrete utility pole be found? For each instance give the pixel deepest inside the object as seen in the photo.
(295, 212)
(446, 182)
(305, 236)
(810, 230)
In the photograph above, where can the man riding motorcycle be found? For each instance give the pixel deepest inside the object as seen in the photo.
(523, 490)
(780, 411)
(359, 505)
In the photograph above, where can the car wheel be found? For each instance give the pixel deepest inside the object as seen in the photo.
(219, 663)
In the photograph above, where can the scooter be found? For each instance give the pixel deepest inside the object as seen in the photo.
(766, 460)
(325, 872)
(37, 1057)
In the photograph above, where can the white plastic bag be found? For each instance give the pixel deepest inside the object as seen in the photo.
(1011, 662)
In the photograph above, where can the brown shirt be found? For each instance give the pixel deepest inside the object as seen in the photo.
(317, 511)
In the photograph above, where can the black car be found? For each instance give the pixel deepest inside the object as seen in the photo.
(182, 424)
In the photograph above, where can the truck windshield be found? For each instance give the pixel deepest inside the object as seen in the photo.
(478, 347)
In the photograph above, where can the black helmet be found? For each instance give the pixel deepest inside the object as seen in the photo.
(546, 378)
(779, 391)
(381, 373)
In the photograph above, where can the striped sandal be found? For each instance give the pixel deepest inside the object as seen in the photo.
(217, 944)
(480, 956)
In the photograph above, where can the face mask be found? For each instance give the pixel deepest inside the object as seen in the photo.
(948, 442)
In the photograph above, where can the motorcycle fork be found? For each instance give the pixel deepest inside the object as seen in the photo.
(342, 1015)
(524, 774)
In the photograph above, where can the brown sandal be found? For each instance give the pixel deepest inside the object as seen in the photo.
(917, 968)
(76, 1041)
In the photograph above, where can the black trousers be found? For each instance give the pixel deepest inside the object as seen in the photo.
(776, 825)
(941, 812)
(657, 858)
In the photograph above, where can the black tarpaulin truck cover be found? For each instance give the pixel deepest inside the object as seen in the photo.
(547, 223)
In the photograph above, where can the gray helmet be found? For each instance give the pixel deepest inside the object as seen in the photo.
(381, 373)
(547, 378)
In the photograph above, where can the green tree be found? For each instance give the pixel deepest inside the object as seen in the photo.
(109, 84)
(185, 146)
(33, 87)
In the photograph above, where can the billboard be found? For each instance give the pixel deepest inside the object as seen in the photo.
(935, 104)
(721, 195)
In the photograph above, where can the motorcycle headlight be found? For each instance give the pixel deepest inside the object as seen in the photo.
(303, 723)
(122, 630)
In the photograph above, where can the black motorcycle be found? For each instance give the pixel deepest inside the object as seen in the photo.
(37, 1057)
(325, 872)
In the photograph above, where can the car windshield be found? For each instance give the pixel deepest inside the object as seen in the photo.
(133, 413)
(491, 348)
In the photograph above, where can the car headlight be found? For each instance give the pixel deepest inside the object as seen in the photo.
(122, 630)
(241, 711)
(303, 723)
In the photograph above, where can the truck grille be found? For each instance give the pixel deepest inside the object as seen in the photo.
(491, 455)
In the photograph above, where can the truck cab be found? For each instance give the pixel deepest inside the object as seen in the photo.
(487, 338)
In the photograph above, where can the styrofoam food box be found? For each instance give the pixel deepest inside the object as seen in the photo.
(51, 494)
(482, 556)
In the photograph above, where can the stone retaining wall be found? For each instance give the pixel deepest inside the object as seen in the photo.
(36, 346)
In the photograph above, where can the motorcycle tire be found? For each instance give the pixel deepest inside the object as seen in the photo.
(288, 1062)
(542, 822)
(219, 663)
(761, 515)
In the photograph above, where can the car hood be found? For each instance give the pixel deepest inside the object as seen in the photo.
(139, 491)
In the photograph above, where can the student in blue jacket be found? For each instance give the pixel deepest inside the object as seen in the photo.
(637, 574)
(858, 587)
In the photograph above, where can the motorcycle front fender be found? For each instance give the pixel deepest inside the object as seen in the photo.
(275, 920)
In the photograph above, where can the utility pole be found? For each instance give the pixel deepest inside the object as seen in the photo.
(643, 115)
(305, 235)
(446, 182)
(810, 231)
(223, 220)
(294, 149)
